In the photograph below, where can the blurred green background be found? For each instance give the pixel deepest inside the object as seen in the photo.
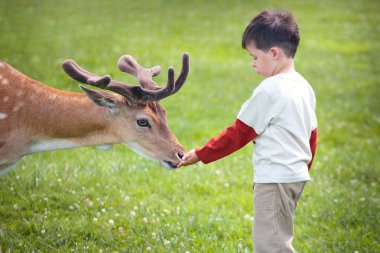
(85, 200)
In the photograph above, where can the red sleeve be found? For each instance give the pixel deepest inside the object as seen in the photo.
(230, 140)
(313, 145)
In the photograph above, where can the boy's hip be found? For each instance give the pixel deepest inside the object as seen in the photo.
(282, 196)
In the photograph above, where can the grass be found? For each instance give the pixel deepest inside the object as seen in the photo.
(85, 200)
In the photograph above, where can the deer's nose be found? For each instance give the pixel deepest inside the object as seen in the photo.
(180, 155)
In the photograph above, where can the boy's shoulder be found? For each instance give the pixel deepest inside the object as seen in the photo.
(280, 79)
(282, 84)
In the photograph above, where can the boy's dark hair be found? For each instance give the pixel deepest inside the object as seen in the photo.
(273, 28)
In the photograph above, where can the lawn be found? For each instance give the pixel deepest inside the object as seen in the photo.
(86, 200)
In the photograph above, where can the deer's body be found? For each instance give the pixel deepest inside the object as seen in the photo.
(36, 118)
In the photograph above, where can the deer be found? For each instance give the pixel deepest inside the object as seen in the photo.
(36, 118)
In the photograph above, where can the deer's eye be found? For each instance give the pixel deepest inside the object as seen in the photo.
(143, 123)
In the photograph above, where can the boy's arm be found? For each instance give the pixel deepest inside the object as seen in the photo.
(313, 145)
(230, 140)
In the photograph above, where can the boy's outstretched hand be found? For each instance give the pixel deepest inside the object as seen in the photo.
(188, 159)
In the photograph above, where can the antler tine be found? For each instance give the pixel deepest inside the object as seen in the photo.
(83, 76)
(129, 65)
(184, 72)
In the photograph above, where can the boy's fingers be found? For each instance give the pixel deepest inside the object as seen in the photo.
(181, 164)
(188, 159)
(185, 161)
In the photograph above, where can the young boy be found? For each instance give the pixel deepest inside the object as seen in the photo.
(280, 119)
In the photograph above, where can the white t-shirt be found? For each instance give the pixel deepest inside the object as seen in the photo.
(281, 110)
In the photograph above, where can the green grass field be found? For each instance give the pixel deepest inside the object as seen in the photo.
(85, 200)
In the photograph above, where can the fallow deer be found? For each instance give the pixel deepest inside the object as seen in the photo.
(36, 118)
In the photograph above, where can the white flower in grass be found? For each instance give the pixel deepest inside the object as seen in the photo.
(103, 210)
(166, 242)
(43, 231)
(95, 219)
(88, 202)
(127, 198)
(154, 235)
(15, 207)
(111, 222)
(148, 248)
(248, 217)
(145, 220)
(132, 213)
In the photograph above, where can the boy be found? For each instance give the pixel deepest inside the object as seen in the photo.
(280, 119)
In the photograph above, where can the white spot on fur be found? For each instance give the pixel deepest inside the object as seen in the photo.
(4, 81)
(53, 96)
(2, 65)
(3, 115)
(19, 93)
(5, 99)
(53, 144)
(18, 106)
(32, 97)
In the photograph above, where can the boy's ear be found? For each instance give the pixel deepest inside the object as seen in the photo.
(275, 51)
(102, 99)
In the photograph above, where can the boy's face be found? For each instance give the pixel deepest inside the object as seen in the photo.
(264, 63)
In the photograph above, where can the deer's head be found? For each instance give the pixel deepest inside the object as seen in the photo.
(138, 120)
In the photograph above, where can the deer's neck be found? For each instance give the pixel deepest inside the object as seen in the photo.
(65, 120)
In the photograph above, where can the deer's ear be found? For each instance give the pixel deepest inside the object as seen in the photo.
(102, 99)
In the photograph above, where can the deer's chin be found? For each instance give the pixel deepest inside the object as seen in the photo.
(168, 165)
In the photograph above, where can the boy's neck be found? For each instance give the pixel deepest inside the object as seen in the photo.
(284, 66)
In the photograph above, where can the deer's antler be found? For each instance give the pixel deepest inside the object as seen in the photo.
(128, 64)
(77, 73)
(148, 91)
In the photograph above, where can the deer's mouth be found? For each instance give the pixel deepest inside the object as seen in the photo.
(169, 165)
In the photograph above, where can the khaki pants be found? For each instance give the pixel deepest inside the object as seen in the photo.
(273, 218)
